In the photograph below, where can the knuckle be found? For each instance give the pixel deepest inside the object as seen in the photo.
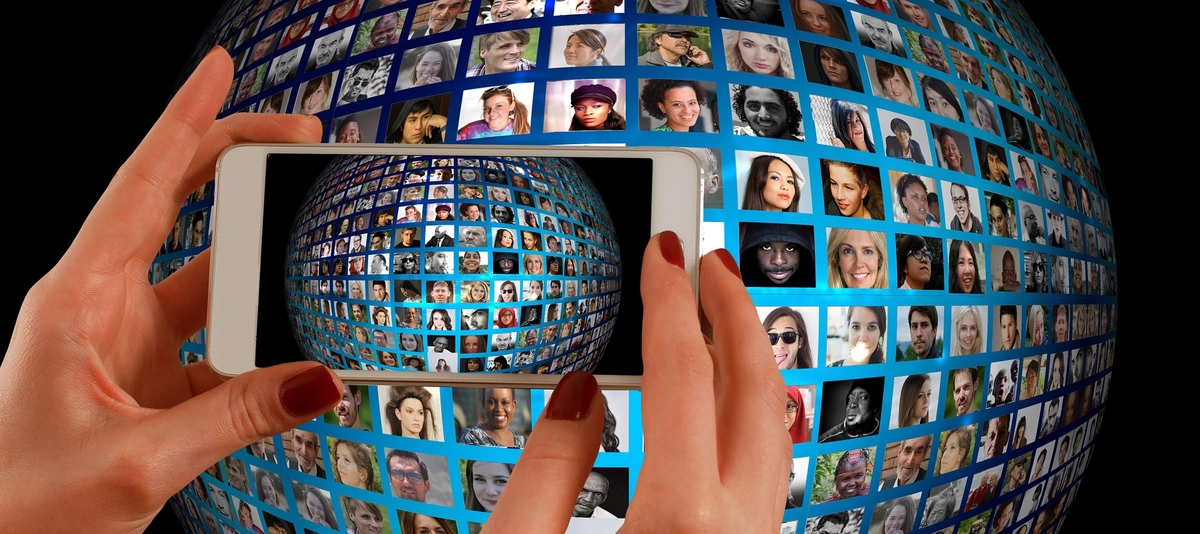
(135, 478)
(251, 417)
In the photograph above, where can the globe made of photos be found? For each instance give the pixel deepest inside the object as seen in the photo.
(908, 186)
(454, 265)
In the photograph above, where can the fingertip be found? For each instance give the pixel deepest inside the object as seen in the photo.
(310, 391)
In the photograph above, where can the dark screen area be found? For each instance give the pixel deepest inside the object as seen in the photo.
(623, 184)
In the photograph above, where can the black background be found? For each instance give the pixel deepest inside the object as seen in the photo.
(88, 91)
(608, 175)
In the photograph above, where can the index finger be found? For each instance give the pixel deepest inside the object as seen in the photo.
(678, 370)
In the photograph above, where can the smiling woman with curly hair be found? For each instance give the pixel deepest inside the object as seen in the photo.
(676, 101)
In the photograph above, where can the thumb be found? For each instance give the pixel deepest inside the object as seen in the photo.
(556, 461)
(197, 433)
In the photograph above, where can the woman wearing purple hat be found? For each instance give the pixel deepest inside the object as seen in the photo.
(593, 107)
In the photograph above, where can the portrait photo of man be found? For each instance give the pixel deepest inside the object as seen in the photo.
(439, 16)
(910, 457)
(855, 412)
(777, 255)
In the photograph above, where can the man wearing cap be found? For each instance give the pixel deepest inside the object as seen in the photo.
(777, 255)
(671, 46)
(594, 108)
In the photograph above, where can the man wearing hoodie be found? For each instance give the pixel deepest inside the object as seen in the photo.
(777, 255)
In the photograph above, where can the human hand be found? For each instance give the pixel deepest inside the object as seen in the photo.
(699, 56)
(834, 141)
(716, 456)
(111, 424)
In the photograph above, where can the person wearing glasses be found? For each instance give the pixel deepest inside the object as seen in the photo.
(670, 45)
(963, 219)
(788, 336)
(916, 269)
(358, 80)
(408, 475)
(795, 417)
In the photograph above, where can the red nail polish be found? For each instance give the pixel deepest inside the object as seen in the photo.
(729, 262)
(572, 399)
(671, 248)
(308, 392)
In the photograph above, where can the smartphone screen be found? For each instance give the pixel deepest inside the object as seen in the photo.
(454, 264)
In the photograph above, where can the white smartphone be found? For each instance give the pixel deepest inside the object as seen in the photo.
(442, 266)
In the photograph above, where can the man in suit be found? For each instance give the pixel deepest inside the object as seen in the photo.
(306, 447)
(440, 238)
(913, 452)
(443, 16)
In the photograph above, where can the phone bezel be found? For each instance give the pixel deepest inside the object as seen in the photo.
(238, 204)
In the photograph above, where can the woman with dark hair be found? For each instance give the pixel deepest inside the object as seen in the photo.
(676, 101)
(585, 48)
(593, 107)
(850, 130)
(866, 331)
(409, 412)
(435, 63)
(901, 145)
(821, 19)
(315, 97)
(894, 83)
(439, 319)
(836, 68)
(773, 184)
(878, 5)
(795, 416)
(609, 442)
(914, 262)
(915, 397)
(418, 123)
(940, 98)
(485, 483)
(498, 405)
(964, 269)
(902, 513)
(789, 338)
(423, 524)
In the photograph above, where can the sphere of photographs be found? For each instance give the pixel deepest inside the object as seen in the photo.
(908, 187)
(447, 264)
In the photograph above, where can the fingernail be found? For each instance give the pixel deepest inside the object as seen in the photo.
(671, 248)
(729, 262)
(308, 391)
(572, 399)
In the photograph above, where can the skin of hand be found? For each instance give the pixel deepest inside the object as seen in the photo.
(111, 423)
(717, 459)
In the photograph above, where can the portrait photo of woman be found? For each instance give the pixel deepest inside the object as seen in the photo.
(757, 53)
(795, 413)
(897, 516)
(484, 483)
(956, 451)
(857, 259)
(677, 106)
(820, 18)
(965, 274)
(862, 337)
(501, 416)
(773, 182)
(695, 8)
(968, 331)
(592, 45)
(941, 98)
(842, 124)
(502, 108)
(891, 81)
(787, 331)
(982, 113)
(427, 65)
(906, 138)
(919, 262)
(953, 150)
(914, 399)
(852, 190)
(831, 66)
(579, 105)
(910, 200)
(316, 94)
(354, 464)
(411, 411)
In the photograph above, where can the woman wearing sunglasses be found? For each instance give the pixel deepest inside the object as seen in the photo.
(789, 339)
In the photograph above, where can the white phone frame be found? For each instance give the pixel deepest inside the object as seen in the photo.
(677, 192)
